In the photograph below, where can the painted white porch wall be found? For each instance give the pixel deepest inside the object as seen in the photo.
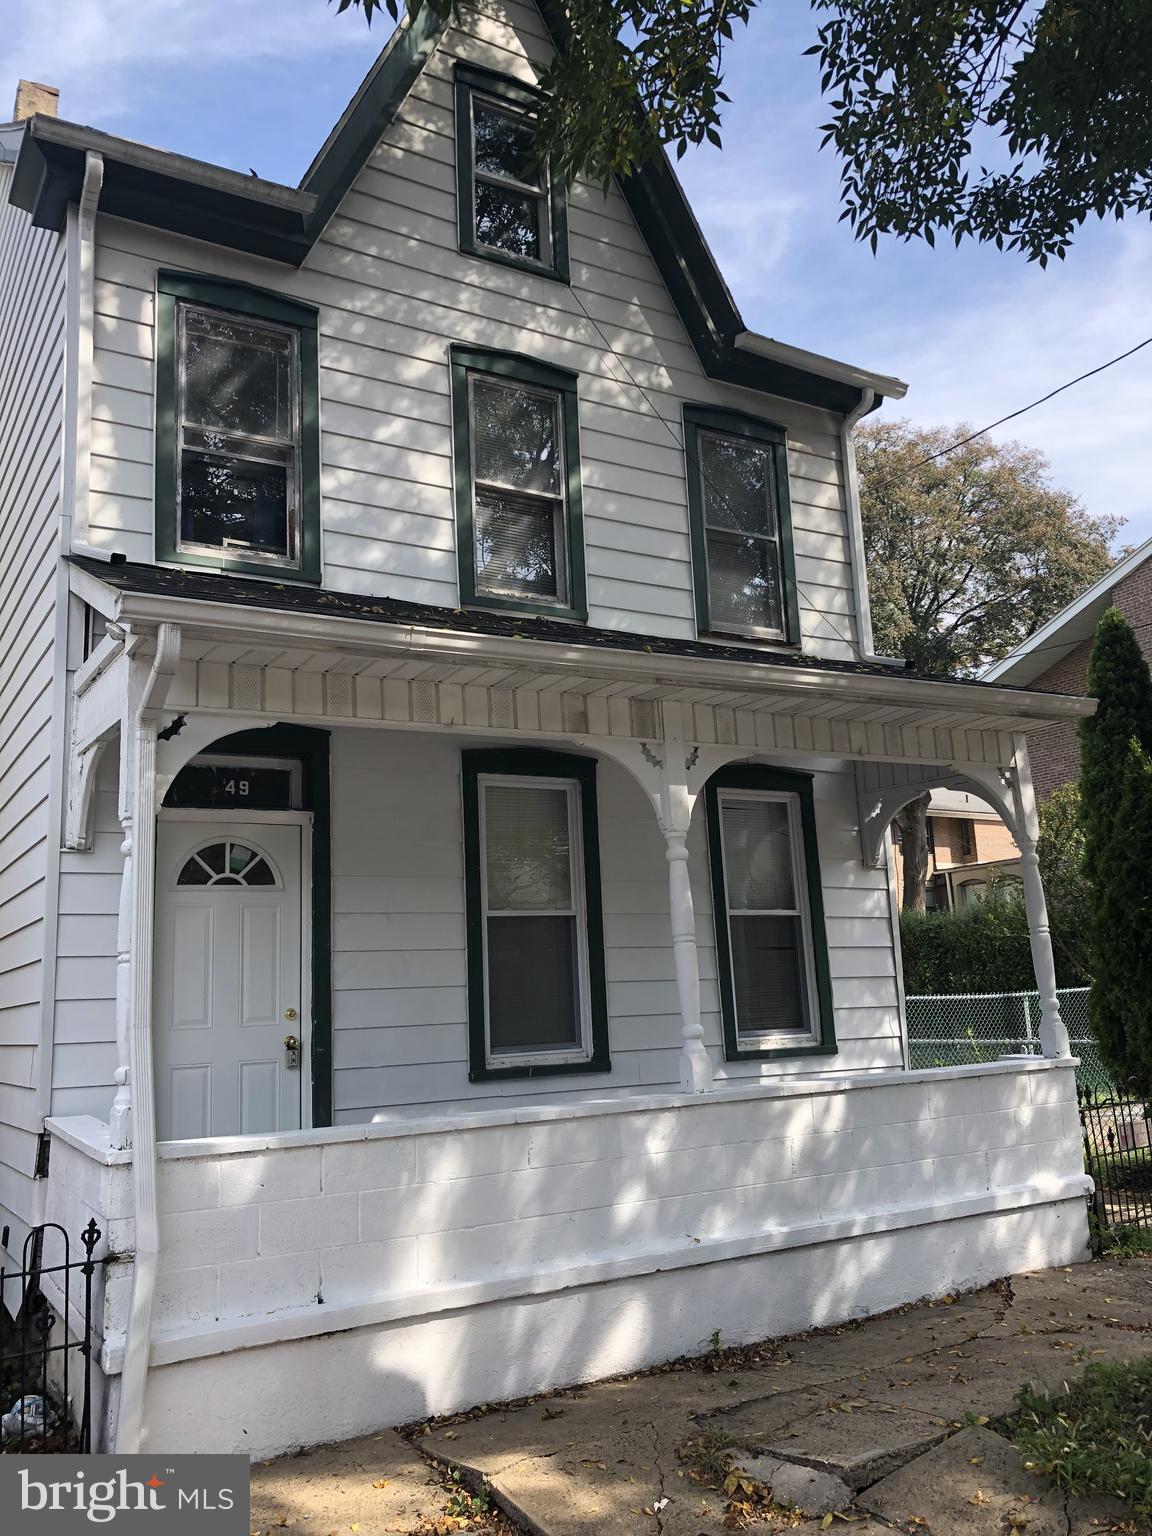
(399, 960)
(393, 292)
(527, 1248)
(32, 286)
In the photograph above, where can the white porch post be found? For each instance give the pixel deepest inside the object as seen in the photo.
(121, 1117)
(695, 1066)
(1053, 1034)
(672, 775)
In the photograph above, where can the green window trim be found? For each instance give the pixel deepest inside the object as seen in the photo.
(471, 81)
(258, 304)
(466, 361)
(760, 777)
(698, 418)
(536, 763)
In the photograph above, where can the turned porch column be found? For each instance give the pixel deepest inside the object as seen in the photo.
(675, 819)
(1053, 1034)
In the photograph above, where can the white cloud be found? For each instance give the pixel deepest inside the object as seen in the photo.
(1039, 330)
(105, 48)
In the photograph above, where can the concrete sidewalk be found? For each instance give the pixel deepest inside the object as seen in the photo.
(881, 1422)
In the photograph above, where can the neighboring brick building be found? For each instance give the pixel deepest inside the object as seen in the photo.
(968, 845)
(1055, 658)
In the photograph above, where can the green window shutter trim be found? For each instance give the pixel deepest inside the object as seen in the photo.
(258, 304)
(537, 763)
(469, 79)
(756, 776)
(524, 370)
(699, 418)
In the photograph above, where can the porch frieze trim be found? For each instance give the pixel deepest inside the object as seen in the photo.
(172, 1346)
(330, 632)
(342, 698)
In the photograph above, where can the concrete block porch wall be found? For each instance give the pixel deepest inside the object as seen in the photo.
(328, 1282)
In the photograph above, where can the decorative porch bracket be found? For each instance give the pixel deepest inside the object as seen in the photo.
(885, 789)
(672, 775)
(99, 690)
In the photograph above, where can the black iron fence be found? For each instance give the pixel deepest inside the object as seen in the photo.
(1118, 1154)
(46, 1376)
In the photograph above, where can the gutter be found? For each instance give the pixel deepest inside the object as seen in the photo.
(75, 466)
(881, 384)
(142, 803)
(329, 632)
(858, 555)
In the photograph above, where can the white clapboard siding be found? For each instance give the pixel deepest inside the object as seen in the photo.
(31, 389)
(393, 293)
(399, 979)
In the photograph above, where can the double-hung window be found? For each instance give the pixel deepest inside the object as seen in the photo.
(517, 449)
(773, 963)
(536, 998)
(237, 444)
(743, 562)
(511, 208)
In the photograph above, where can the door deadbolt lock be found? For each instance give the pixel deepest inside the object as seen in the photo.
(292, 1050)
(291, 1015)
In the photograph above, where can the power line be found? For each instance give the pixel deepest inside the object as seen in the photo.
(1012, 415)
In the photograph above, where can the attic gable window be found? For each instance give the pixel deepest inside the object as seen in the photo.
(744, 568)
(511, 208)
(237, 440)
(518, 504)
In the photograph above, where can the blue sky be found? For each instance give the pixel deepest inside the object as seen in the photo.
(976, 333)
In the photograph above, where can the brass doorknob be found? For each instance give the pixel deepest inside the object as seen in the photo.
(291, 1015)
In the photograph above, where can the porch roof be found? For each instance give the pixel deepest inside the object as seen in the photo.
(237, 621)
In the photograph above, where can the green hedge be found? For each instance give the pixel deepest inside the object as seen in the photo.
(980, 948)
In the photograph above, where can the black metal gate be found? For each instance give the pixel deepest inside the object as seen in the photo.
(38, 1374)
(1117, 1153)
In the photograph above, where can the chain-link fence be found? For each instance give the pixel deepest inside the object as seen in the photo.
(980, 1026)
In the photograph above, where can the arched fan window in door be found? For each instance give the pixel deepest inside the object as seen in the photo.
(227, 863)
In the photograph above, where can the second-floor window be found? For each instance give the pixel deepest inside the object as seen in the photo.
(511, 207)
(517, 484)
(237, 448)
(743, 562)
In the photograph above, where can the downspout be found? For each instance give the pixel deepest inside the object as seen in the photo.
(856, 531)
(75, 461)
(141, 807)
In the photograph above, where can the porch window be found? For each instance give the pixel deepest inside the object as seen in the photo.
(237, 442)
(511, 208)
(536, 998)
(744, 568)
(772, 956)
(520, 535)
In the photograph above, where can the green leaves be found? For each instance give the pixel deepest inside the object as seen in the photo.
(1057, 102)
(970, 553)
(1058, 96)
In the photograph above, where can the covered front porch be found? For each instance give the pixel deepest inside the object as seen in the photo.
(440, 1165)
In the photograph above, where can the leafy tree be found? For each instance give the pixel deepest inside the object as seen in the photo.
(1120, 1003)
(1066, 889)
(1058, 94)
(1118, 678)
(967, 555)
(1116, 812)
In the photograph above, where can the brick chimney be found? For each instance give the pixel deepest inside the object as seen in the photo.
(32, 98)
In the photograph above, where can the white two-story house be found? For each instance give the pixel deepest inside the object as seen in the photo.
(446, 932)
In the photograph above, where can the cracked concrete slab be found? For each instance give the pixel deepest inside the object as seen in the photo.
(804, 1489)
(857, 1441)
(378, 1483)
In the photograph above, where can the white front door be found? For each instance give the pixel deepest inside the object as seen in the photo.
(229, 983)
